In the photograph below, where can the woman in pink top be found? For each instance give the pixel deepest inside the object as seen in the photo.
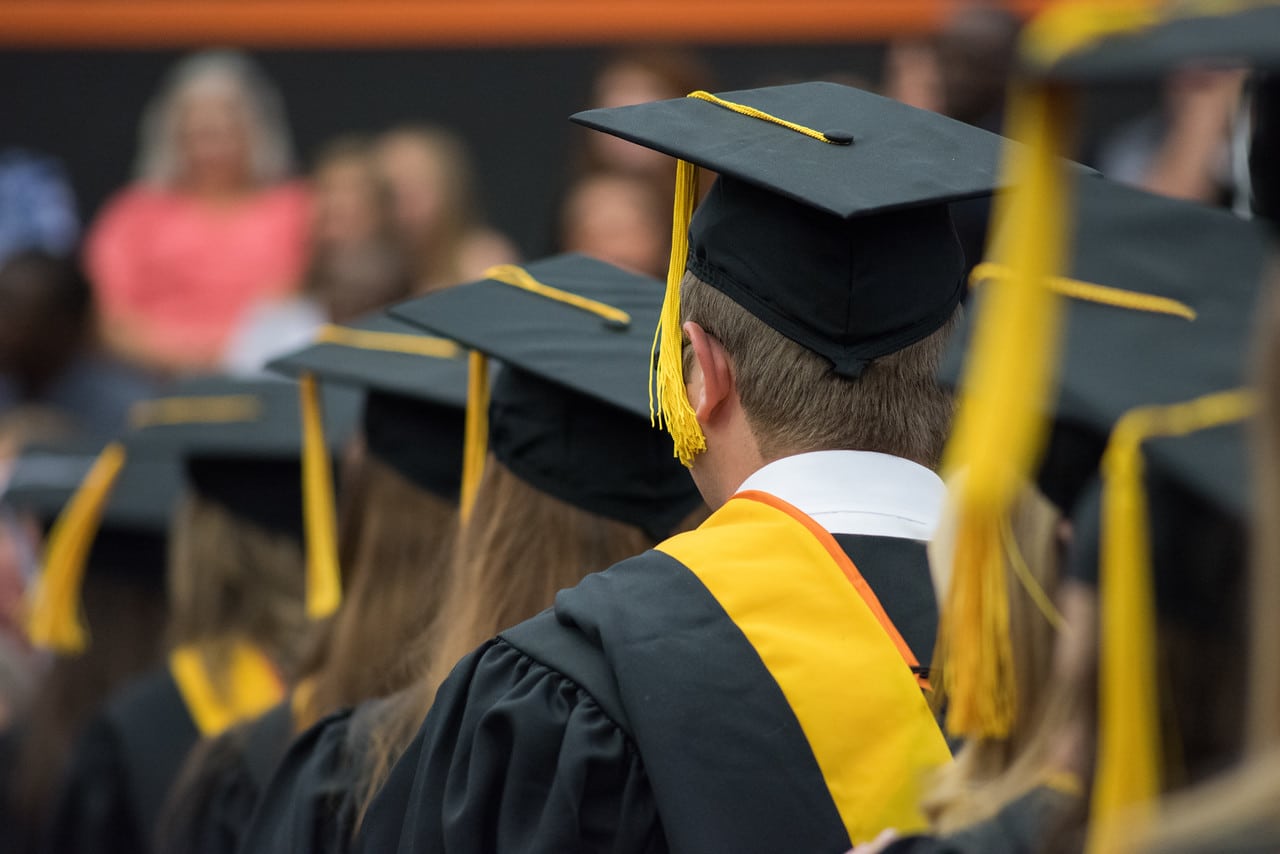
(210, 226)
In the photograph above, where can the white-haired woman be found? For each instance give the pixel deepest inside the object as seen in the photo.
(211, 223)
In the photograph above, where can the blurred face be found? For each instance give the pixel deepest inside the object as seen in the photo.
(622, 86)
(616, 220)
(213, 138)
(419, 187)
(346, 203)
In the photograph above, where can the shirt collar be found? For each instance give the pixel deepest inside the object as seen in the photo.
(856, 492)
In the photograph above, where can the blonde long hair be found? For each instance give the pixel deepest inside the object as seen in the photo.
(399, 564)
(990, 772)
(521, 547)
(270, 143)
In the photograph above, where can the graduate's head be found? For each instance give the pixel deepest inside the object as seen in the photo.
(760, 396)
(829, 228)
(399, 501)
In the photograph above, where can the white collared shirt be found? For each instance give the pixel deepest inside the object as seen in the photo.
(856, 492)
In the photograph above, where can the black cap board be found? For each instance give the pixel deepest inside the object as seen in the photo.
(829, 219)
(1119, 355)
(1244, 35)
(133, 534)
(569, 411)
(240, 442)
(415, 394)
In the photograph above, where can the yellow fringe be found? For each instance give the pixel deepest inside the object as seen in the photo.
(518, 277)
(1127, 777)
(1000, 424)
(1090, 292)
(668, 405)
(475, 447)
(324, 576)
(53, 611)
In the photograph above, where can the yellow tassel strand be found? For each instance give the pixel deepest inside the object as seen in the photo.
(475, 448)
(1128, 773)
(1000, 422)
(324, 577)
(53, 614)
(668, 405)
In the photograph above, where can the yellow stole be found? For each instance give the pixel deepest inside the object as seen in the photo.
(822, 634)
(252, 686)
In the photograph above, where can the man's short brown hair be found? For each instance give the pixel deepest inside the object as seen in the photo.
(795, 402)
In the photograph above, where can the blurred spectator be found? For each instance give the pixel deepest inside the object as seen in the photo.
(49, 355)
(619, 218)
(963, 73)
(209, 227)
(37, 207)
(1182, 150)
(435, 209)
(636, 77)
(356, 263)
(911, 74)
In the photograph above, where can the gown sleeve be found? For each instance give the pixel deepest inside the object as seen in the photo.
(94, 814)
(514, 756)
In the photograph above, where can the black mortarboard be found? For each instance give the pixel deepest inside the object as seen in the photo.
(240, 441)
(829, 220)
(1172, 318)
(1149, 42)
(569, 411)
(415, 394)
(130, 542)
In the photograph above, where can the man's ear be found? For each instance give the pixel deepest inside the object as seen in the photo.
(714, 383)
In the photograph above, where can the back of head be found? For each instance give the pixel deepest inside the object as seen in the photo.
(231, 578)
(397, 581)
(796, 403)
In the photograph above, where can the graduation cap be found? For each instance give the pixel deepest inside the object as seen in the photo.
(1091, 42)
(415, 393)
(829, 220)
(130, 541)
(568, 413)
(999, 430)
(1160, 299)
(239, 442)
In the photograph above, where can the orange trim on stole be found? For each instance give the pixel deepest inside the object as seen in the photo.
(846, 564)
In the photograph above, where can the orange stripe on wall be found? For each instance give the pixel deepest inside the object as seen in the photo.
(460, 23)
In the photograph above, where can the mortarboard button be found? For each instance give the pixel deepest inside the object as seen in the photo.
(838, 137)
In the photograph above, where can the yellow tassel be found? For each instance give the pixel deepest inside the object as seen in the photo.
(668, 405)
(1000, 422)
(250, 686)
(53, 613)
(324, 578)
(475, 447)
(1129, 765)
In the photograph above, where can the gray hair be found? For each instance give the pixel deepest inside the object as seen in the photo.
(270, 144)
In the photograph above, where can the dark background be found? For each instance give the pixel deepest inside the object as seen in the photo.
(511, 106)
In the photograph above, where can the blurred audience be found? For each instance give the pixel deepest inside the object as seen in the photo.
(620, 218)
(49, 353)
(210, 225)
(37, 206)
(356, 263)
(1182, 149)
(435, 208)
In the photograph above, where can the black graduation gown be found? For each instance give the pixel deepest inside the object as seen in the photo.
(311, 802)
(632, 717)
(210, 813)
(121, 770)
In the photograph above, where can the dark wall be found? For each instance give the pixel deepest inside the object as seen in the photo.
(510, 105)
